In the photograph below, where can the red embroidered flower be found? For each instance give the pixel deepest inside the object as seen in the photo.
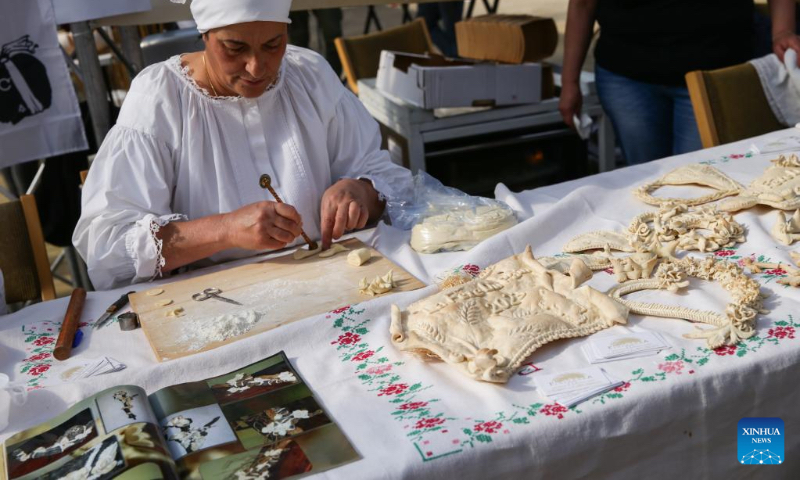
(82, 324)
(413, 405)
(554, 409)
(671, 367)
(724, 253)
(624, 387)
(781, 332)
(37, 357)
(341, 310)
(394, 389)
(725, 350)
(360, 357)
(348, 338)
(489, 427)
(737, 155)
(41, 341)
(379, 369)
(775, 271)
(473, 270)
(39, 369)
(428, 423)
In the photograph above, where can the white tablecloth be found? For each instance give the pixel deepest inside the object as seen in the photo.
(676, 414)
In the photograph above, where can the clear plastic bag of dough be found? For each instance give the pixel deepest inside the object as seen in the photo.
(445, 219)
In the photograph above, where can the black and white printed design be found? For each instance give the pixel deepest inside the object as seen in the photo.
(24, 85)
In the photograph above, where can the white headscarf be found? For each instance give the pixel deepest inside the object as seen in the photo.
(210, 14)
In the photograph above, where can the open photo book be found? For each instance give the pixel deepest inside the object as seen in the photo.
(259, 422)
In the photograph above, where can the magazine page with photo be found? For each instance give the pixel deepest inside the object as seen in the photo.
(113, 434)
(261, 421)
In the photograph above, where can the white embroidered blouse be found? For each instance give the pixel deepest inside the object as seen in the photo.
(177, 153)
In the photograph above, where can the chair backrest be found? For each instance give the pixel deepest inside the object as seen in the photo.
(729, 105)
(361, 55)
(23, 255)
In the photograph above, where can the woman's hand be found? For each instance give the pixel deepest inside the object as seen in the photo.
(347, 205)
(785, 41)
(262, 226)
(570, 103)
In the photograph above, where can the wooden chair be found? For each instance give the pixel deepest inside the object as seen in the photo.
(729, 105)
(361, 55)
(23, 256)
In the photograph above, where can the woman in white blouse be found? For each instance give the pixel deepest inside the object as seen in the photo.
(176, 181)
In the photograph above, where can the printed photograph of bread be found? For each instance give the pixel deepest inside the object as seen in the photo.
(42, 449)
(101, 462)
(121, 406)
(193, 430)
(254, 380)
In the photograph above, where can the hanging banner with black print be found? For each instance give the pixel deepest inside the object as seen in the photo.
(39, 114)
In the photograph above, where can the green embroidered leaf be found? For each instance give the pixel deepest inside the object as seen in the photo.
(361, 366)
(364, 377)
(702, 361)
(781, 323)
(30, 339)
(741, 352)
(467, 431)
(384, 360)
(638, 371)
(483, 438)
(414, 387)
(614, 395)
(520, 420)
(648, 379)
(671, 358)
(361, 331)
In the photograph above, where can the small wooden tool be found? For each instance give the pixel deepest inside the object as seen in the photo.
(266, 182)
(70, 324)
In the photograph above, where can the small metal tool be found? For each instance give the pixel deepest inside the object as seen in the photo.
(106, 317)
(128, 321)
(212, 293)
(266, 182)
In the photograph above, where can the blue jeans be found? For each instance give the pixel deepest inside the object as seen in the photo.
(651, 121)
(444, 35)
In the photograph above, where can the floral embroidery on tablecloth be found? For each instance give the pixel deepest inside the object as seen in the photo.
(732, 254)
(40, 341)
(726, 158)
(436, 433)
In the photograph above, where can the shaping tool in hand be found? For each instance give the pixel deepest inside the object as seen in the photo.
(266, 182)
(212, 293)
(115, 307)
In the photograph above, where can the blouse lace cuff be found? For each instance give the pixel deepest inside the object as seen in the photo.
(144, 246)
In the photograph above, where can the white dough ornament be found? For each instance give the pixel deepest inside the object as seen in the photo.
(359, 257)
(693, 174)
(378, 286)
(739, 321)
(792, 277)
(787, 230)
(488, 327)
(777, 187)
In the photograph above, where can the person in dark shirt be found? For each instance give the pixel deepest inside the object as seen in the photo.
(645, 49)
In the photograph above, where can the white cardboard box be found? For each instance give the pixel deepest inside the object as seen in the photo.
(435, 82)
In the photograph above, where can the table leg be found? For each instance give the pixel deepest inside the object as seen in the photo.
(606, 145)
(416, 151)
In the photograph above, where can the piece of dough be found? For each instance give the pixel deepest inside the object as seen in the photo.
(377, 286)
(302, 253)
(335, 248)
(359, 257)
(175, 312)
(164, 303)
(155, 292)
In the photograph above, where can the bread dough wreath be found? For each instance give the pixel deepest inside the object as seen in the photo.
(737, 323)
(693, 174)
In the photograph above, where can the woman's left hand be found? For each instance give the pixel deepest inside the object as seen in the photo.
(785, 41)
(346, 206)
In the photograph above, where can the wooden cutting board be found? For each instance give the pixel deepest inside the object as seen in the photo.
(274, 292)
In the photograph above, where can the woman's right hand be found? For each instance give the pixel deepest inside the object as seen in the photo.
(262, 226)
(570, 103)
